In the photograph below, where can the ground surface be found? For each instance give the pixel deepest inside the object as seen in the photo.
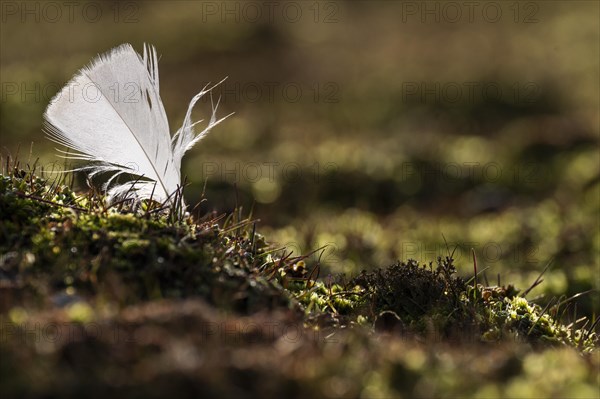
(146, 303)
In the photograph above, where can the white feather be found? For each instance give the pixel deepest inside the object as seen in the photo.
(111, 114)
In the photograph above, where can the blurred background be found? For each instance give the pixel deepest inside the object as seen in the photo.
(384, 130)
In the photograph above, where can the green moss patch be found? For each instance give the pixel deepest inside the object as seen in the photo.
(138, 300)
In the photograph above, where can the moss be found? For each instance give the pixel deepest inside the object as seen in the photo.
(149, 303)
(53, 240)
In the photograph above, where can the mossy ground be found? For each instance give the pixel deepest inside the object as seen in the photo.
(142, 301)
